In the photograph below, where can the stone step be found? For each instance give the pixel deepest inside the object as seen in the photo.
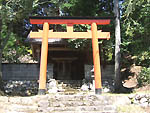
(11, 111)
(22, 108)
(85, 108)
(77, 103)
(56, 100)
(81, 112)
(74, 101)
(21, 100)
(79, 98)
(109, 108)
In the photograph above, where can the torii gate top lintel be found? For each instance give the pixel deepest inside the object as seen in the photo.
(70, 20)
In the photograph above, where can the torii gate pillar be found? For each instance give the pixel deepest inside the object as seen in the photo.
(43, 63)
(96, 60)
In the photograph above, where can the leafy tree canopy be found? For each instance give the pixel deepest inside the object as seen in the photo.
(136, 27)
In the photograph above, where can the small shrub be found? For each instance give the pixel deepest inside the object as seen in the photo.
(144, 77)
(143, 59)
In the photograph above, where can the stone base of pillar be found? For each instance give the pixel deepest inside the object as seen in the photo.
(98, 91)
(41, 92)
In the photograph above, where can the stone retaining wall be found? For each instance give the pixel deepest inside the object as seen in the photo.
(27, 71)
(30, 71)
(107, 72)
(140, 99)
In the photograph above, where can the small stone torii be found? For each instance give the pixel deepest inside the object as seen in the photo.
(93, 34)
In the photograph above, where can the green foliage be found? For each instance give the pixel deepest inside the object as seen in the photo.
(144, 77)
(92, 8)
(14, 49)
(12, 14)
(143, 59)
(124, 45)
(78, 43)
(136, 18)
(135, 23)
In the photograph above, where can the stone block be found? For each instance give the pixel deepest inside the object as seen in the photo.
(22, 108)
(3, 99)
(23, 71)
(106, 72)
(110, 108)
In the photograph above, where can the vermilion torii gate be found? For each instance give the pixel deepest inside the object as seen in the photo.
(93, 34)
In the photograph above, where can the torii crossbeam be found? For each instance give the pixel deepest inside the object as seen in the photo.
(93, 34)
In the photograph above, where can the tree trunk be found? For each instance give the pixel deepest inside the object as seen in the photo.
(118, 82)
(1, 81)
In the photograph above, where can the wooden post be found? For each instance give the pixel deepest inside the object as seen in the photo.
(43, 64)
(96, 60)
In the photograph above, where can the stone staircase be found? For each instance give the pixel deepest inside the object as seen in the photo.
(78, 104)
(69, 98)
(55, 103)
